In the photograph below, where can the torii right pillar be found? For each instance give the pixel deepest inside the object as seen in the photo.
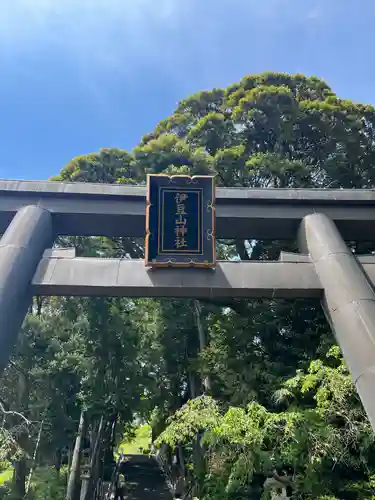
(349, 301)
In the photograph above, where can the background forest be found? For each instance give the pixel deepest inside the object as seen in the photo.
(239, 387)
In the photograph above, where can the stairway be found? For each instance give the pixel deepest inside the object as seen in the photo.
(144, 480)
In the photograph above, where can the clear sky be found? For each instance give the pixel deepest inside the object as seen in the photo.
(78, 75)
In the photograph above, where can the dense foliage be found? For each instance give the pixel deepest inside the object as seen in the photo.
(277, 394)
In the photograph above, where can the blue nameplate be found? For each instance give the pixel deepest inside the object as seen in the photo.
(180, 221)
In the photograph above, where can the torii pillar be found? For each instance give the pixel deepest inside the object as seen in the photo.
(349, 301)
(21, 248)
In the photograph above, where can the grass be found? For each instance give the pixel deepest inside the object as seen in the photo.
(46, 475)
(6, 475)
(142, 440)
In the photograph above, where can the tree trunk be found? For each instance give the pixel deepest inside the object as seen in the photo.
(193, 389)
(69, 461)
(74, 476)
(20, 473)
(113, 431)
(241, 250)
(20, 467)
(181, 459)
(58, 459)
(85, 489)
(198, 458)
(34, 457)
(202, 339)
(94, 462)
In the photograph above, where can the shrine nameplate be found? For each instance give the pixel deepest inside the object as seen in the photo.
(180, 221)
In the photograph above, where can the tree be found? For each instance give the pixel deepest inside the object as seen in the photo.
(322, 436)
(115, 358)
(109, 166)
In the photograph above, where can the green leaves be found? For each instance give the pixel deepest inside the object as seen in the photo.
(318, 441)
(282, 395)
(108, 166)
(168, 153)
(308, 136)
(196, 416)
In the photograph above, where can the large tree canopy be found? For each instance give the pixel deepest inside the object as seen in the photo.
(269, 130)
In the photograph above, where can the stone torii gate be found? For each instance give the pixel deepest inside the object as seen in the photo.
(33, 214)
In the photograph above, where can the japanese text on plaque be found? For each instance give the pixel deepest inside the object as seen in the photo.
(180, 221)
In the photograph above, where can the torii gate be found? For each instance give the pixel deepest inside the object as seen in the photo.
(32, 214)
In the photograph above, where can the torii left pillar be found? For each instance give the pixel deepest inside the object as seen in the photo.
(29, 234)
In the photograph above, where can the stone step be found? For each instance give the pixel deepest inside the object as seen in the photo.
(144, 479)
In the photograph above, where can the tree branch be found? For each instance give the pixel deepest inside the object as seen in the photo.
(19, 369)
(4, 404)
(14, 413)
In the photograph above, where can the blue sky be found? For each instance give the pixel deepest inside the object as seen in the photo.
(78, 75)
